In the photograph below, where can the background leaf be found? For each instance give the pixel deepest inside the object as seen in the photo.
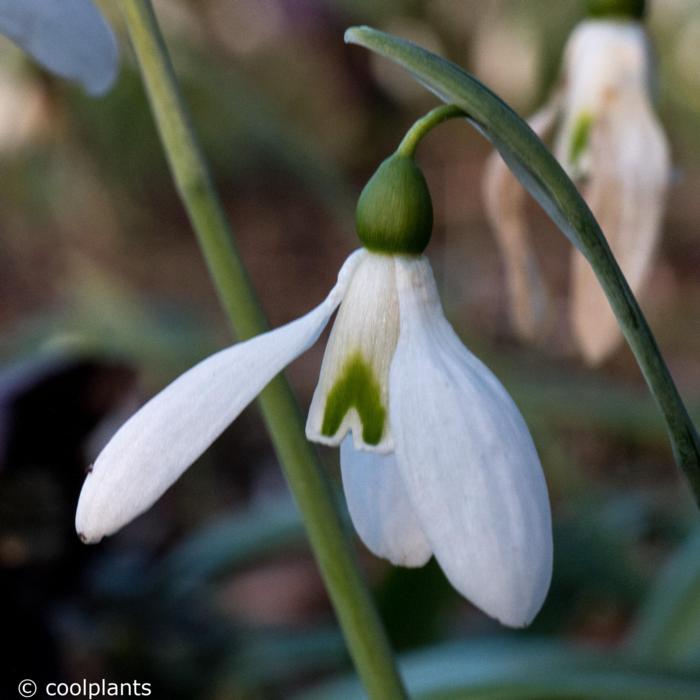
(668, 627)
(533, 670)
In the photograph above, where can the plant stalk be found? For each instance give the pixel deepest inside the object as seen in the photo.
(426, 123)
(363, 630)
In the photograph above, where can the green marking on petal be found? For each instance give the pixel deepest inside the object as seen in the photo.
(358, 388)
(580, 136)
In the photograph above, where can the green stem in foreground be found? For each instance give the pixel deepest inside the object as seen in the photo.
(358, 618)
(415, 134)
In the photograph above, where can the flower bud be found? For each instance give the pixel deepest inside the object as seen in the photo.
(635, 9)
(395, 213)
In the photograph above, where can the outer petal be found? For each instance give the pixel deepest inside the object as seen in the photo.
(604, 59)
(379, 507)
(352, 391)
(630, 172)
(155, 446)
(467, 460)
(69, 37)
(504, 198)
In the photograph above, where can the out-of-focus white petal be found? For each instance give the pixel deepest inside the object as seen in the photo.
(626, 191)
(155, 446)
(604, 60)
(612, 143)
(352, 390)
(612, 139)
(379, 507)
(68, 37)
(467, 460)
(504, 198)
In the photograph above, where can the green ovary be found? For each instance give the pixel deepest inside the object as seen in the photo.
(358, 388)
(580, 136)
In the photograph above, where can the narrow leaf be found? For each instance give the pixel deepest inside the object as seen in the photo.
(502, 669)
(668, 628)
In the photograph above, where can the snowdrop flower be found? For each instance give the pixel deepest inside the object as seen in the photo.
(435, 457)
(68, 37)
(610, 142)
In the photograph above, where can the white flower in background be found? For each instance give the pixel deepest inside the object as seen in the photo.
(610, 143)
(435, 457)
(68, 37)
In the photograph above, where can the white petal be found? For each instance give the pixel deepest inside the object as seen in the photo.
(69, 37)
(612, 142)
(504, 198)
(379, 507)
(467, 460)
(155, 446)
(629, 176)
(604, 59)
(352, 391)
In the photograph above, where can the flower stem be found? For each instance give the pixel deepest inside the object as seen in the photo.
(415, 134)
(364, 634)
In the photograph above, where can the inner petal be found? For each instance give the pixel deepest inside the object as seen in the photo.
(379, 507)
(353, 389)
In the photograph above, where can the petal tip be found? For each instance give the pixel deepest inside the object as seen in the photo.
(91, 515)
(521, 605)
(413, 559)
(517, 622)
(99, 81)
(515, 611)
(88, 539)
(351, 34)
(86, 531)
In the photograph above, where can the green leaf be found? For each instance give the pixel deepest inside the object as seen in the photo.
(229, 543)
(276, 656)
(668, 627)
(504, 669)
(540, 173)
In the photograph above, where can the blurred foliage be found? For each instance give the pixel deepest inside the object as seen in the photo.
(213, 593)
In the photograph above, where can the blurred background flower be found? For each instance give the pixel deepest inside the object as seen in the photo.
(72, 39)
(213, 593)
(601, 123)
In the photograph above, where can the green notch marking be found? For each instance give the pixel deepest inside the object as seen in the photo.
(580, 136)
(357, 388)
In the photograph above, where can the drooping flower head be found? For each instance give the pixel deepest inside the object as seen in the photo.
(435, 457)
(609, 141)
(68, 37)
